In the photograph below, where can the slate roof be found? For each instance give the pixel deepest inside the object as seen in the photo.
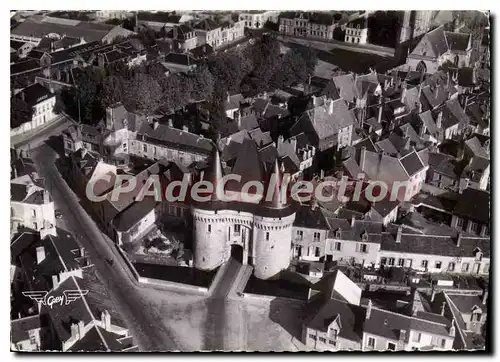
(443, 164)
(179, 59)
(477, 148)
(435, 245)
(134, 214)
(384, 207)
(412, 163)
(175, 138)
(457, 41)
(233, 101)
(159, 17)
(354, 233)
(306, 217)
(465, 303)
(474, 204)
(466, 77)
(387, 324)
(429, 327)
(89, 31)
(327, 124)
(346, 85)
(19, 328)
(35, 94)
(434, 41)
(351, 317)
(428, 121)
(433, 317)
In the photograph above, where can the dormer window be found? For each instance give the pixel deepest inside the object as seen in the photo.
(364, 236)
(338, 233)
(479, 254)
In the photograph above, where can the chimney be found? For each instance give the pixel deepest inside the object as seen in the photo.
(380, 108)
(439, 120)
(228, 97)
(463, 184)
(403, 92)
(280, 140)
(106, 320)
(330, 107)
(81, 329)
(485, 296)
(437, 91)
(423, 129)
(170, 123)
(155, 123)
(459, 239)
(369, 309)
(448, 79)
(22, 95)
(185, 128)
(419, 107)
(314, 204)
(353, 220)
(399, 233)
(74, 331)
(46, 197)
(362, 158)
(175, 32)
(452, 328)
(443, 307)
(433, 295)
(40, 254)
(293, 142)
(55, 281)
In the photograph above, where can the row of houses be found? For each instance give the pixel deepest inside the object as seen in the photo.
(339, 316)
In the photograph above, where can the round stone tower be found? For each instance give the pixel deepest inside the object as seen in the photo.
(209, 230)
(272, 232)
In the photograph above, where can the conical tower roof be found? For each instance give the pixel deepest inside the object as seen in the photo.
(276, 200)
(214, 173)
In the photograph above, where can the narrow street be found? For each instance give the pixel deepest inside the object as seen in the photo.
(134, 302)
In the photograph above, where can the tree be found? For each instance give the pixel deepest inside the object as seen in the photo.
(270, 25)
(143, 92)
(113, 21)
(381, 27)
(112, 90)
(88, 93)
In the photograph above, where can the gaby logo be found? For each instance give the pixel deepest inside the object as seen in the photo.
(66, 298)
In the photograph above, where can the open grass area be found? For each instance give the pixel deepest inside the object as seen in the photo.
(357, 62)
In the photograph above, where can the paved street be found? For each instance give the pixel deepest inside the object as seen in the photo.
(37, 137)
(161, 320)
(137, 304)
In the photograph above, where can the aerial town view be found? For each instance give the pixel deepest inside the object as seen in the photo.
(249, 180)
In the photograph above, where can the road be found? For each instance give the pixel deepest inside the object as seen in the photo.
(35, 138)
(131, 299)
(162, 320)
(335, 44)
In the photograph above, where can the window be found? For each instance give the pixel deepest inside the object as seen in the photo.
(267, 235)
(316, 236)
(312, 336)
(300, 234)
(391, 346)
(145, 148)
(451, 267)
(338, 246)
(416, 337)
(32, 339)
(437, 265)
(154, 151)
(346, 38)
(316, 251)
(391, 261)
(443, 343)
(237, 229)
(332, 342)
(321, 339)
(35, 226)
(363, 248)
(460, 222)
(371, 342)
(474, 227)
(401, 262)
(476, 317)
(383, 261)
(486, 268)
(33, 213)
(465, 267)
(424, 264)
(479, 256)
(209, 228)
